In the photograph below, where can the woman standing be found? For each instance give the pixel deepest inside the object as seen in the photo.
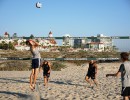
(35, 61)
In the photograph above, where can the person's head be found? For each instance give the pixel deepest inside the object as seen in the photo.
(28, 42)
(45, 62)
(91, 61)
(124, 56)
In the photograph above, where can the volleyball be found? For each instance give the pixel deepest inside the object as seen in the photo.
(38, 5)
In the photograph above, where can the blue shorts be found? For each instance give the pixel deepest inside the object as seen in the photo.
(35, 63)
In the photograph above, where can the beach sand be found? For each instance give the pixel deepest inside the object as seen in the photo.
(67, 84)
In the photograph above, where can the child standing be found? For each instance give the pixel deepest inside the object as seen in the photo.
(46, 71)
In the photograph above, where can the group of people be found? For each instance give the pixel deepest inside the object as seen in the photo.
(124, 70)
(36, 62)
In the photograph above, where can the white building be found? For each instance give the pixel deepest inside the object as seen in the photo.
(67, 40)
(47, 42)
(100, 43)
(20, 47)
(6, 40)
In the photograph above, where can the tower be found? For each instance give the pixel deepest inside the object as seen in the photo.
(50, 34)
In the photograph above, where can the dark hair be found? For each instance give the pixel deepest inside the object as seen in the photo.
(124, 55)
(27, 42)
(45, 61)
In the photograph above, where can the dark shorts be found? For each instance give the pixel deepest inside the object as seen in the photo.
(92, 76)
(125, 91)
(35, 63)
(46, 74)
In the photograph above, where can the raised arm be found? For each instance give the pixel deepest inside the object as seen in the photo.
(34, 43)
(121, 69)
(49, 67)
(115, 75)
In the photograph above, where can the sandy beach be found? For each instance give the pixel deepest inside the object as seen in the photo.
(67, 84)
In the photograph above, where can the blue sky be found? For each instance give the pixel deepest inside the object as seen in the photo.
(74, 17)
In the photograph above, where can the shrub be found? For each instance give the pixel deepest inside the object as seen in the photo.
(57, 66)
(15, 66)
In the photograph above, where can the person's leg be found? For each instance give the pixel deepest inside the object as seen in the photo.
(95, 81)
(45, 80)
(125, 98)
(48, 75)
(87, 79)
(31, 78)
(35, 76)
(93, 77)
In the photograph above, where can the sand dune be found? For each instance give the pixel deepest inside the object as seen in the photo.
(67, 84)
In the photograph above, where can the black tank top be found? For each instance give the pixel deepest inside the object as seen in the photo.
(46, 68)
(91, 69)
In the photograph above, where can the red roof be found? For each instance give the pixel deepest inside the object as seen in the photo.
(6, 33)
(52, 41)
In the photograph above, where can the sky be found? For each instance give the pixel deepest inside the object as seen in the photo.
(74, 17)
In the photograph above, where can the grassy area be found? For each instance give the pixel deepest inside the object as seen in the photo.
(26, 65)
(89, 54)
(56, 65)
(15, 66)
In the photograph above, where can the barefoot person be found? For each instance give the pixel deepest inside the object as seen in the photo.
(35, 61)
(46, 71)
(92, 73)
(124, 71)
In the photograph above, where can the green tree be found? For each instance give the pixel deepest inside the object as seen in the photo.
(31, 36)
(22, 43)
(3, 42)
(11, 46)
(15, 42)
(0, 45)
(5, 46)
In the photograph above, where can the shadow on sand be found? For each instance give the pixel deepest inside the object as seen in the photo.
(13, 80)
(22, 96)
(68, 82)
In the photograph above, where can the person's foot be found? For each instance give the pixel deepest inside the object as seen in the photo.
(31, 87)
(44, 84)
(91, 85)
(96, 88)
